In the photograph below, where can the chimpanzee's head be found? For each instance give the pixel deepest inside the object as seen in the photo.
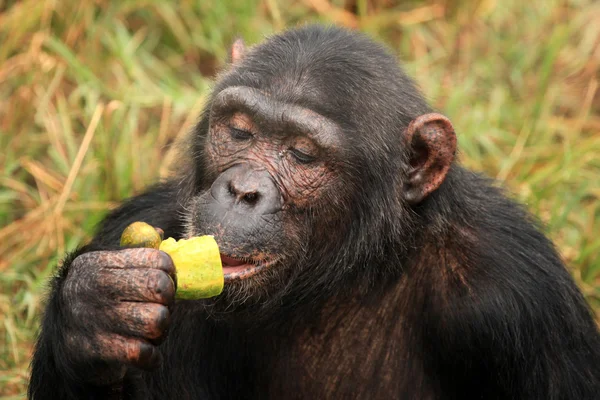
(309, 157)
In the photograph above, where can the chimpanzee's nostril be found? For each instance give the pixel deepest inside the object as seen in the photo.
(231, 189)
(251, 198)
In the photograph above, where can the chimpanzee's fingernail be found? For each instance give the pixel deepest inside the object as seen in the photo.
(166, 262)
(150, 356)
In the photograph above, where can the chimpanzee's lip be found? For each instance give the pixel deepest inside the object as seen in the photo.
(237, 268)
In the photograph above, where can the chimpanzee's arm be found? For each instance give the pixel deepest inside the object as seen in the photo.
(503, 318)
(53, 376)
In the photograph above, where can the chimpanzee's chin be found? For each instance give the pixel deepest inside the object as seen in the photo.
(238, 299)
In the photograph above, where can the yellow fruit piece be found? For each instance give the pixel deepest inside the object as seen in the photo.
(197, 260)
(140, 234)
(198, 264)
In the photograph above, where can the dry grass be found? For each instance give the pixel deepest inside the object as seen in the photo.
(93, 94)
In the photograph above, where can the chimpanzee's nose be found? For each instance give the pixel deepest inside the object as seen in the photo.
(247, 190)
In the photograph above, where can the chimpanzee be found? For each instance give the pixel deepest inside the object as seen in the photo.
(361, 260)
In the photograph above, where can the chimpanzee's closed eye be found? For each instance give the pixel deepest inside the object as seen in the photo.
(301, 156)
(240, 134)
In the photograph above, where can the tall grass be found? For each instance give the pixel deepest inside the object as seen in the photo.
(94, 94)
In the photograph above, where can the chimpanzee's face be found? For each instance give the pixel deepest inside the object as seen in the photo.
(307, 164)
(272, 168)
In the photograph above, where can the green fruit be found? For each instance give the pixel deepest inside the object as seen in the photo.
(140, 234)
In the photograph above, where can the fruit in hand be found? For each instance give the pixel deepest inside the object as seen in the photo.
(197, 260)
(141, 234)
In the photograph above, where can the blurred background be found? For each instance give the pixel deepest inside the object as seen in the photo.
(93, 95)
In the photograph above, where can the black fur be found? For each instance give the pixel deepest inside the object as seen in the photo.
(460, 297)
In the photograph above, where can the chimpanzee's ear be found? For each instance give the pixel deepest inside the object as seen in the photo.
(432, 146)
(238, 49)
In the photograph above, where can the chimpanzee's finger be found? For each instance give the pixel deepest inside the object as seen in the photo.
(144, 320)
(136, 284)
(135, 352)
(116, 349)
(127, 258)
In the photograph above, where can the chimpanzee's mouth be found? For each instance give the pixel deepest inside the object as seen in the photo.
(237, 268)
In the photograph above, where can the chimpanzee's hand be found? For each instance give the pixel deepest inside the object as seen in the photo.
(115, 306)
